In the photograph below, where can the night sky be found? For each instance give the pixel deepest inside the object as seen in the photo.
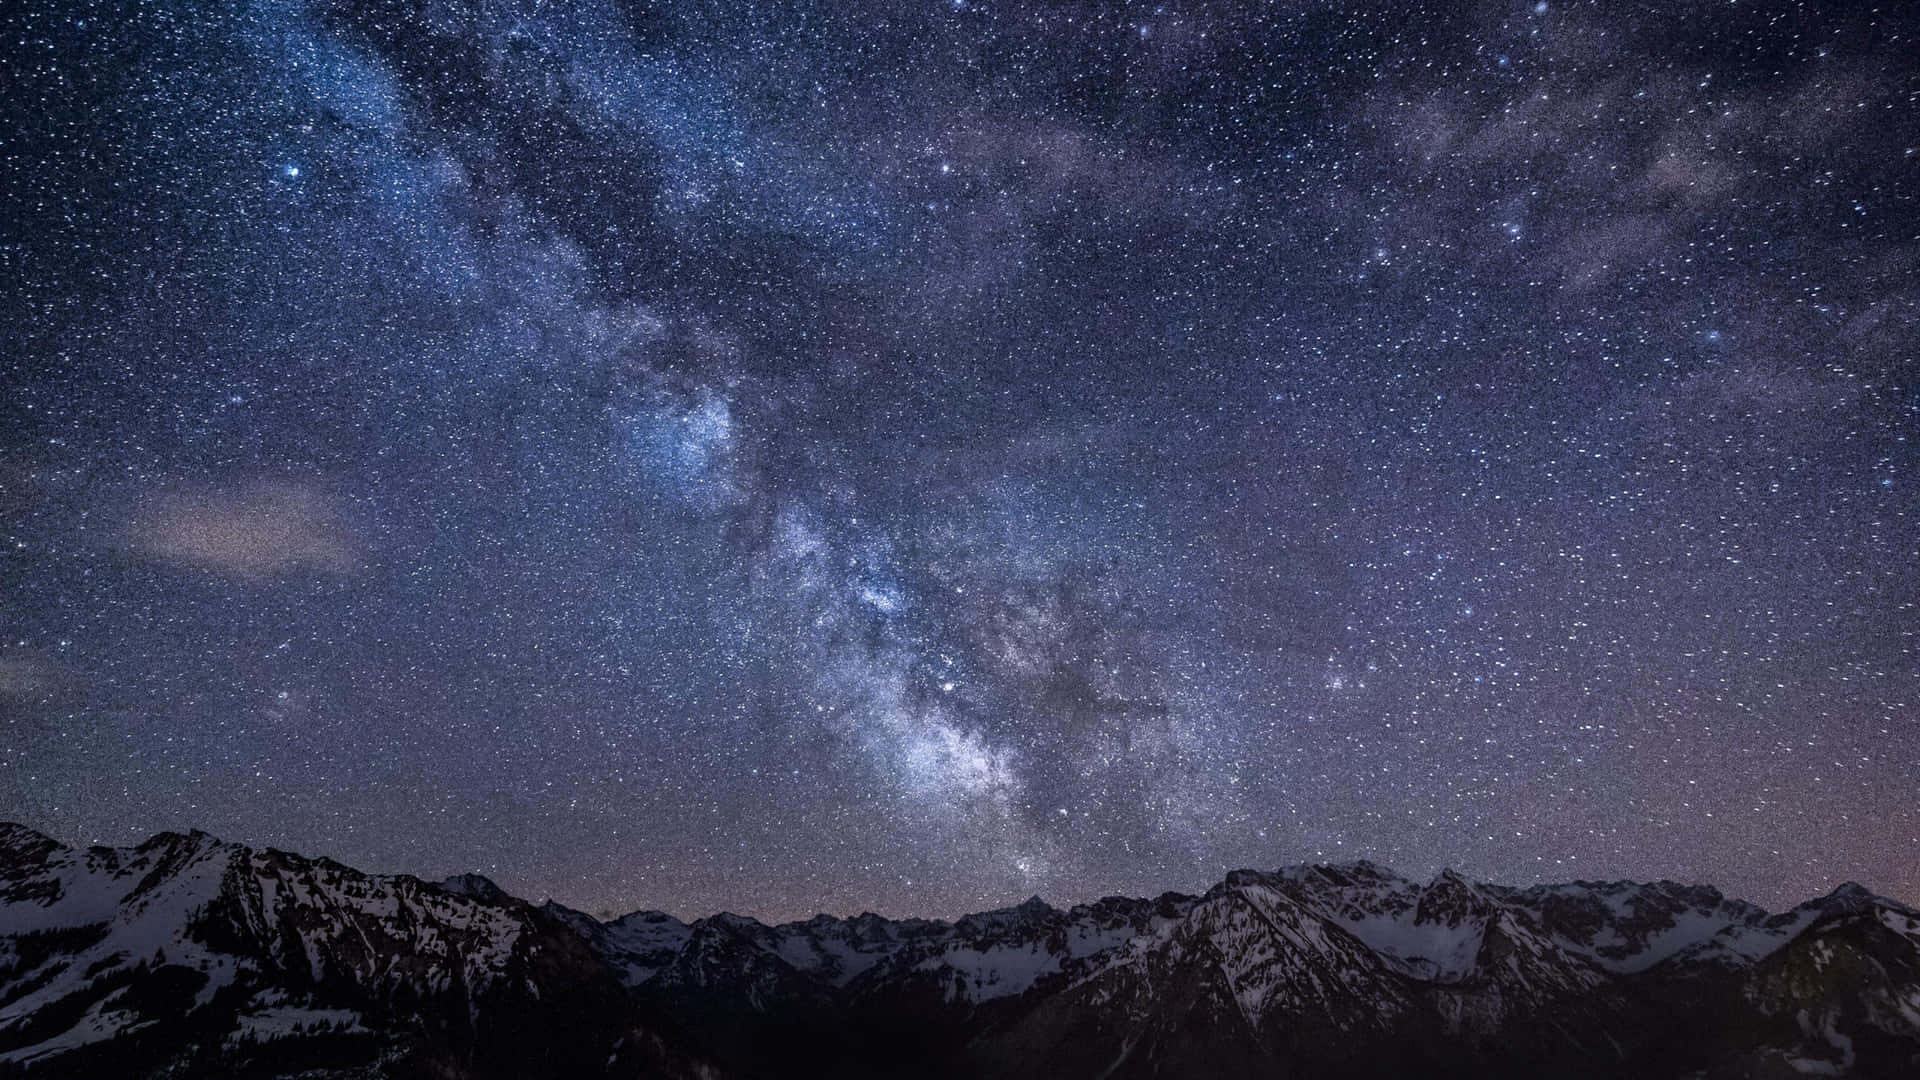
(908, 456)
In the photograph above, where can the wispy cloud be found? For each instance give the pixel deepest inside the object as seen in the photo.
(27, 677)
(257, 530)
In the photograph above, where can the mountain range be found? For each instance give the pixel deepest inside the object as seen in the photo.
(187, 956)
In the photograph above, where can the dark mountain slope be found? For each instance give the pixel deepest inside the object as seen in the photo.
(186, 956)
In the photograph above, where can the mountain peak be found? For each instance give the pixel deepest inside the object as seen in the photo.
(15, 837)
(742, 924)
(1244, 876)
(187, 844)
(1849, 898)
(476, 887)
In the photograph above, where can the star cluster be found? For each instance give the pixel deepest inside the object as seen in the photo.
(911, 455)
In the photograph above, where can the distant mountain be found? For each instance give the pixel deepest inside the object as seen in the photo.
(189, 957)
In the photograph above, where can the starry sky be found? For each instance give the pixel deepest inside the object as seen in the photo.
(908, 455)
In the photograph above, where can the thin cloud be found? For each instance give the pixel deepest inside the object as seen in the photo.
(257, 531)
(29, 678)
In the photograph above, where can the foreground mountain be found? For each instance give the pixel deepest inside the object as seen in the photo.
(187, 956)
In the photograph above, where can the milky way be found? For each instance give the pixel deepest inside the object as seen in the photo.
(908, 456)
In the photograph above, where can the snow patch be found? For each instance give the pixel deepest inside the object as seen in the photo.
(266, 1025)
(996, 971)
(1436, 949)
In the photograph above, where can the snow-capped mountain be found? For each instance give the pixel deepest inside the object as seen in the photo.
(187, 956)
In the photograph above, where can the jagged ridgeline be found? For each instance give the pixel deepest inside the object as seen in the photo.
(188, 957)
